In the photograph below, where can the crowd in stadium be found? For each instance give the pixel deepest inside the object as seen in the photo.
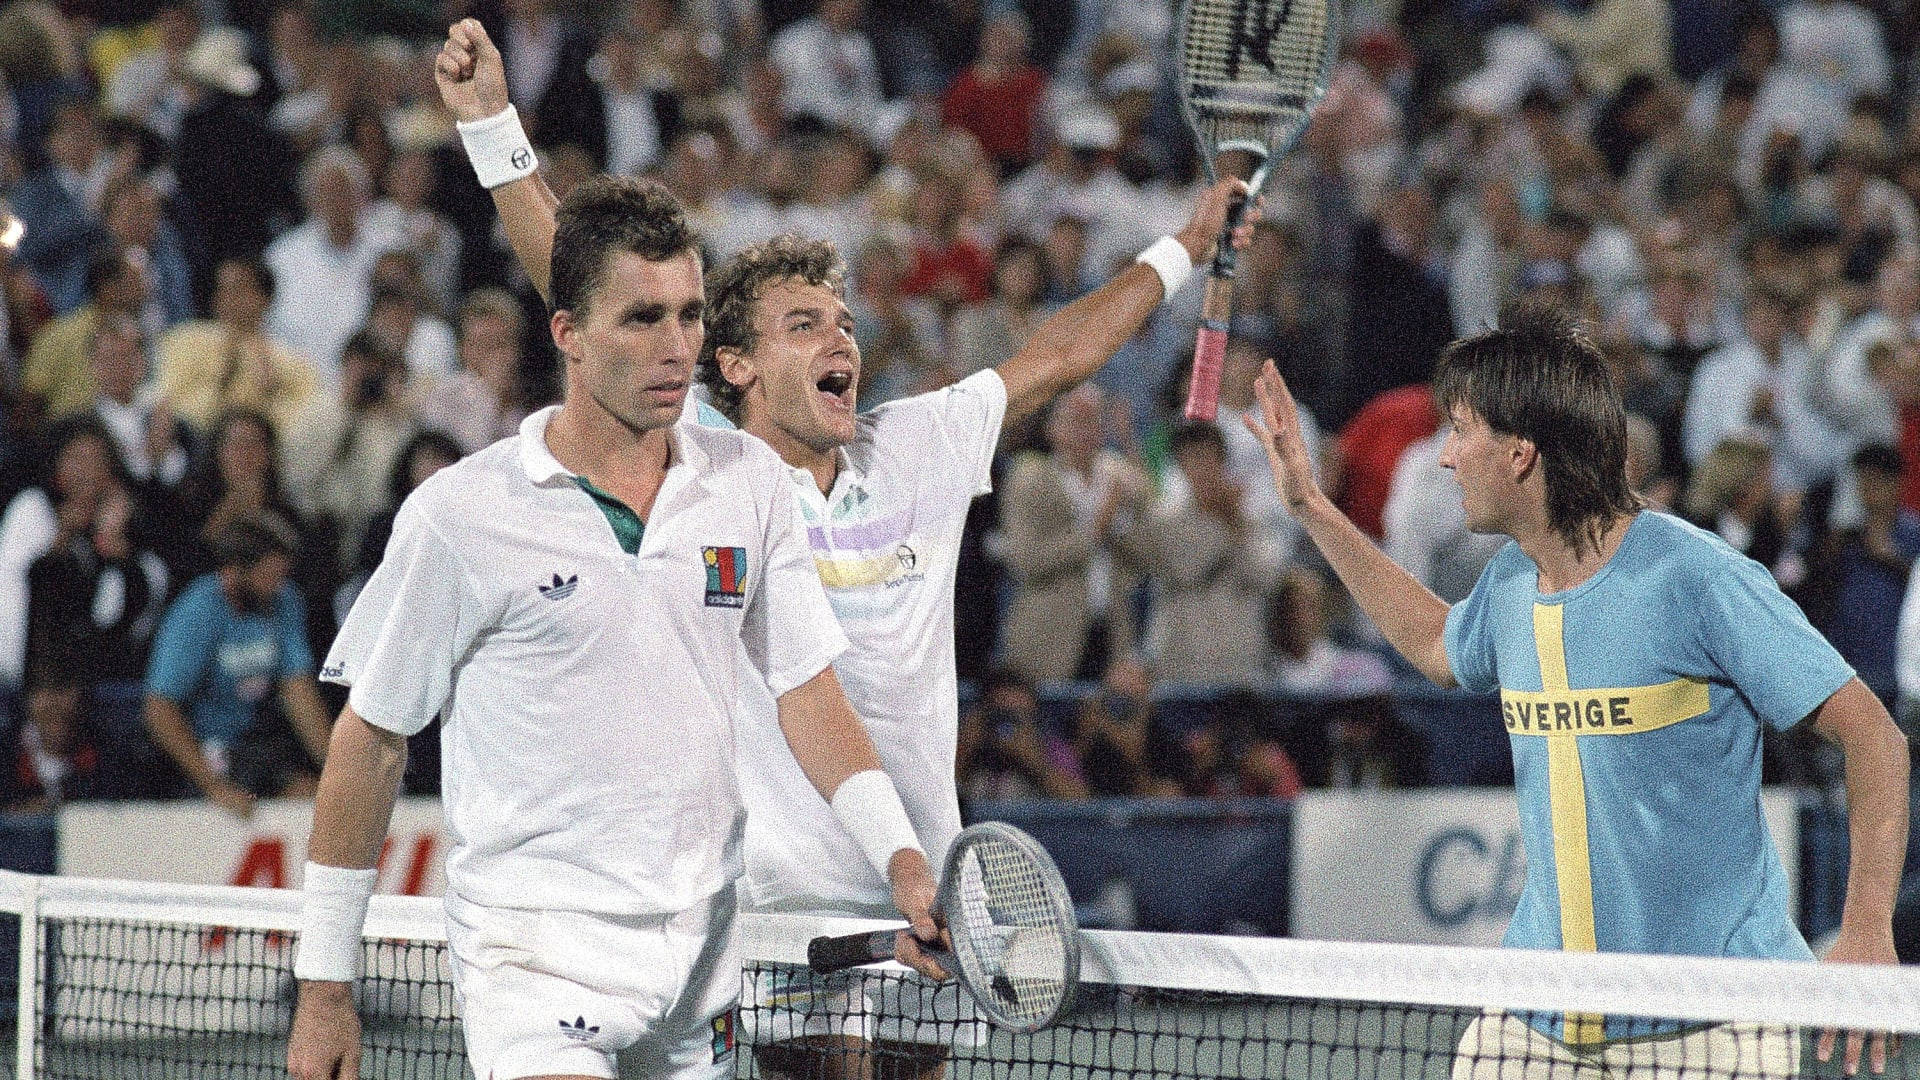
(255, 296)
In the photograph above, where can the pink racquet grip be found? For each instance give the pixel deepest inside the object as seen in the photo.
(1209, 356)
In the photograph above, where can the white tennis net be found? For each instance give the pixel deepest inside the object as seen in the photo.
(137, 980)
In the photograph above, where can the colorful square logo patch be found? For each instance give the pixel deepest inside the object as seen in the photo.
(726, 576)
(723, 1035)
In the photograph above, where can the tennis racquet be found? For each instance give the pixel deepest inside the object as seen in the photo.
(1251, 72)
(1016, 947)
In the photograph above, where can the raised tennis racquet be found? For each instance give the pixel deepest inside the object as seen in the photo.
(1251, 72)
(1016, 946)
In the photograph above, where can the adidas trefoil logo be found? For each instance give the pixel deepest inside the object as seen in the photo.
(578, 1030)
(561, 587)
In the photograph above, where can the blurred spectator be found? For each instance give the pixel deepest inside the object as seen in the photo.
(1075, 179)
(340, 450)
(827, 68)
(147, 86)
(1394, 344)
(485, 401)
(627, 134)
(57, 369)
(60, 205)
(986, 334)
(230, 204)
(1849, 388)
(1485, 271)
(81, 476)
(1424, 523)
(93, 604)
(212, 365)
(1853, 191)
(1647, 472)
(1758, 385)
(1612, 39)
(1857, 578)
(1837, 51)
(426, 453)
(998, 98)
(899, 335)
(135, 220)
(949, 268)
(231, 696)
(1060, 515)
(1303, 659)
(547, 54)
(1111, 737)
(1229, 757)
(152, 444)
(1731, 495)
(1003, 752)
(402, 312)
(236, 478)
(1370, 448)
(407, 211)
(1066, 248)
(1211, 570)
(325, 264)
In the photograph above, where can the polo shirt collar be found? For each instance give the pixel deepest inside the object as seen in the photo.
(543, 468)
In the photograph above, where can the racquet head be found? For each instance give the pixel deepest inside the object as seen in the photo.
(1250, 73)
(1016, 945)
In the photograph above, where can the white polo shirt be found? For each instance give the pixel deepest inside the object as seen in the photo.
(886, 541)
(588, 693)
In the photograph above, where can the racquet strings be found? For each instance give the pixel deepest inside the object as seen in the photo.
(1010, 942)
(1251, 68)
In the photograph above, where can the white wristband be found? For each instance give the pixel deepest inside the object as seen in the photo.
(498, 148)
(869, 808)
(1170, 260)
(333, 911)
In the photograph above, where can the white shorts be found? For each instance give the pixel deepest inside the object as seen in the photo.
(1499, 1046)
(563, 992)
(780, 1005)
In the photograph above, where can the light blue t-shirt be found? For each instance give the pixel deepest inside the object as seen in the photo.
(219, 664)
(1635, 704)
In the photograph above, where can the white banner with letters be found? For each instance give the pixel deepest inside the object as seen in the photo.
(198, 843)
(1440, 867)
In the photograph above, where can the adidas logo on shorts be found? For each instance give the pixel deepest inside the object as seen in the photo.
(578, 1030)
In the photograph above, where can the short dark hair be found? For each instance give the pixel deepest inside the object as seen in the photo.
(1880, 458)
(604, 215)
(256, 268)
(735, 287)
(1541, 378)
(1196, 433)
(105, 264)
(245, 542)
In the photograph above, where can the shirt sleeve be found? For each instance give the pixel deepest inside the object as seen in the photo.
(409, 628)
(789, 631)
(296, 656)
(954, 429)
(181, 650)
(1763, 644)
(1469, 637)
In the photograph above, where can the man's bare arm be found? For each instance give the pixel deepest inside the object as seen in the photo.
(473, 84)
(1413, 619)
(1080, 338)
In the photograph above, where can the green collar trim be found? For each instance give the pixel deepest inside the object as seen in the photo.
(627, 526)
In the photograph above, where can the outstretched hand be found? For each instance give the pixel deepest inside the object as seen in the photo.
(1210, 216)
(471, 76)
(1278, 427)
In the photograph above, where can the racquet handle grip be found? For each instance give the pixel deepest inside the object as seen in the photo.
(1209, 356)
(830, 954)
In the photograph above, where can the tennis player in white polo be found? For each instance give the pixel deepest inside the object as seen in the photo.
(884, 496)
(577, 602)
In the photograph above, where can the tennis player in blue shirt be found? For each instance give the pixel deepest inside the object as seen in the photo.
(1638, 659)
